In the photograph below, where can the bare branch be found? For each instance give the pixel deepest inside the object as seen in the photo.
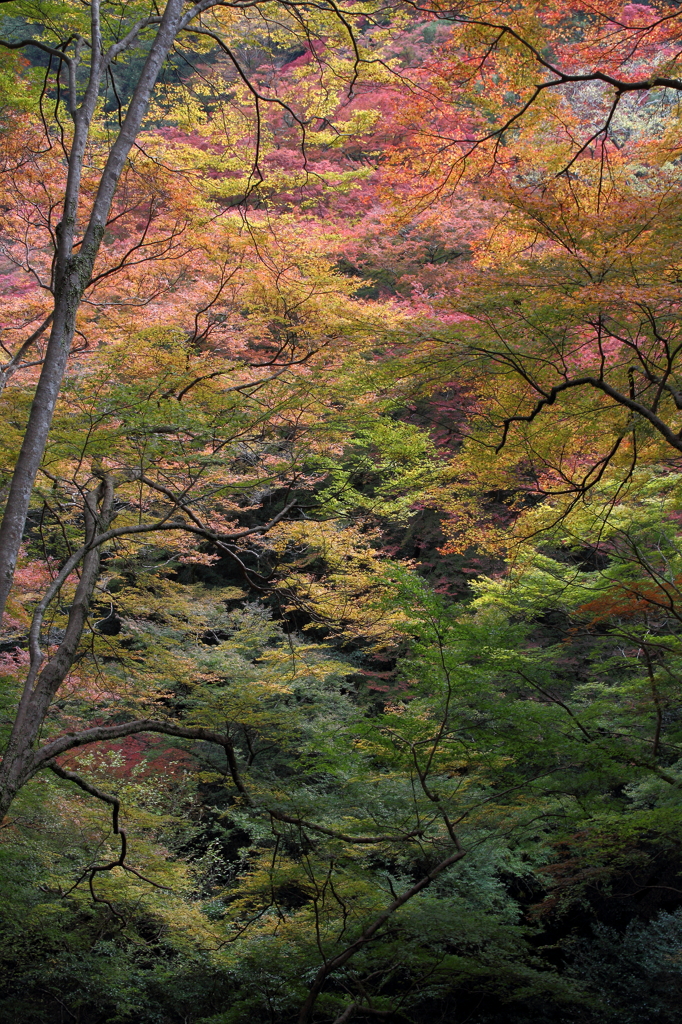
(8, 369)
(600, 385)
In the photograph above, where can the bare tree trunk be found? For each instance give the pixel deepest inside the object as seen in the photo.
(67, 299)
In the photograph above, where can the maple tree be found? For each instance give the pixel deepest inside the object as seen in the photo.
(77, 223)
(97, 188)
(583, 225)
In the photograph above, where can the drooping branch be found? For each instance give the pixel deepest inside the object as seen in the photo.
(23, 43)
(99, 733)
(560, 77)
(560, 703)
(258, 98)
(672, 438)
(345, 837)
(87, 787)
(120, 862)
(161, 526)
(44, 758)
(41, 685)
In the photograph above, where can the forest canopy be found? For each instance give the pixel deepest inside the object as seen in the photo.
(341, 485)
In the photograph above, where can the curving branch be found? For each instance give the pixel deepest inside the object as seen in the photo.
(120, 862)
(549, 398)
(44, 758)
(360, 840)
(560, 77)
(87, 787)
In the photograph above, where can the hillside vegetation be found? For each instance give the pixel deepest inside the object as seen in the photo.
(341, 474)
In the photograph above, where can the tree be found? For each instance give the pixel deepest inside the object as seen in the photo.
(150, 223)
(482, 90)
(346, 812)
(560, 322)
(84, 48)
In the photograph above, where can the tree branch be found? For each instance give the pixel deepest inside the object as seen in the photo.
(369, 932)
(600, 385)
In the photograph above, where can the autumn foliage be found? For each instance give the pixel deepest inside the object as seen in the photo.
(339, 667)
